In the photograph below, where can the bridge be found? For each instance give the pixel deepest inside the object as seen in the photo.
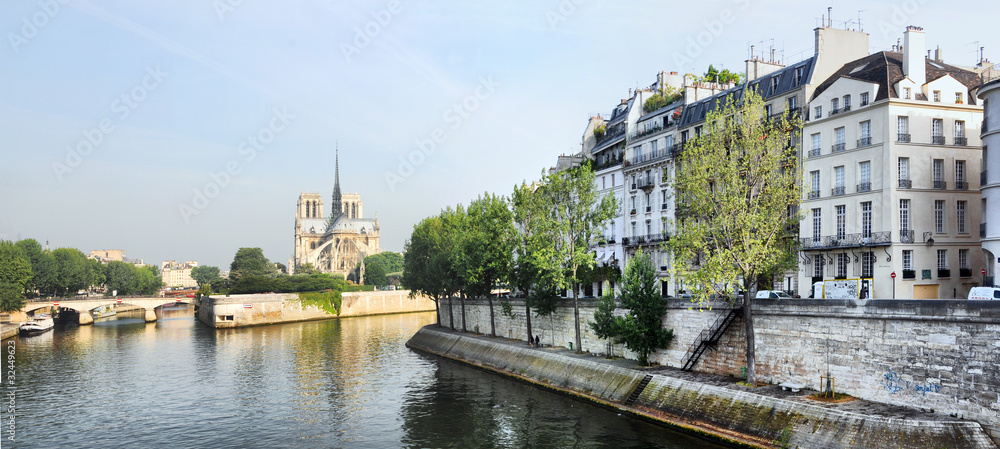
(84, 306)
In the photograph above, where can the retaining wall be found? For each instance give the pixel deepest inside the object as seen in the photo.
(739, 416)
(254, 310)
(940, 355)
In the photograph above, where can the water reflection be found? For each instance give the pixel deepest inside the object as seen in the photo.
(341, 383)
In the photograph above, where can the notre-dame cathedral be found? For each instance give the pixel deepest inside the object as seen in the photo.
(337, 242)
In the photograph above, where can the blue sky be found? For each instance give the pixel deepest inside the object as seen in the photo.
(185, 130)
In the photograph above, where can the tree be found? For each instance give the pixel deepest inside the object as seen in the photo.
(43, 266)
(306, 268)
(736, 189)
(379, 266)
(15, 276)
(251, 261)
(206, 274)
(534, 233)
(577, 213)
(73, 273)
(488, 247)
(121, 277)
(453, 225)
(641, 328)
(423, 273)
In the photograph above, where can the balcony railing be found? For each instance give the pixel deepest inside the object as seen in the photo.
(965, 272)
(664, 206)
(847, 107)
(905, 236)
(943, 273)
(909, 274)
(905, 184)
(637, 240)
(864, 187)
(962, 141)
(838, 190)
(814, 152)
(644, 183)
(982, 229)
(903, 137)
(940, 185)
(834, 112)
(961, 185)
(838, 147)
(937, 140)
(649, 209)
(611, 134)
(813, 194)
(846, 240)
(864, 142)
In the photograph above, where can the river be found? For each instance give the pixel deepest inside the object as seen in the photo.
(340, 383)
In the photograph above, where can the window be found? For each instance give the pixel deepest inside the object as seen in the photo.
(903, 128)
(818, 112)
(767, 109)
(838, 176)
(867, 264)
(842, 260)
(866, 134)
(818, 266)
(906, 93)
(963, 260)
(938, 169)
(942, 259)
(665, 196)
(960, 133)
(904, 215)
(866, 219)
(841, 222)
(959, 98)
(653, 148)
(939, 216)
(791, 102)
(847, 103)
(814, 178)
(670, 142)
(834, 106)
(632, 199)
(697, 131)
(937, 127)
(816, 146)
(603, 184)
(865, 176)
(612, 180)
(907, 259)
(960, 182)
(839, 137)
(960, 208)
(817, 224)
(864, 98)
(937, 96)
(649, 205)
(774, 83)
(904, 173)
(797, 76)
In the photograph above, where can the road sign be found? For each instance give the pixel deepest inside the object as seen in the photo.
(55, 304)
(177, 300)
(983, 271)
(893, 275)
(119, 300)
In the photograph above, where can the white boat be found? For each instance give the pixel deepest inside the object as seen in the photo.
(40, 323)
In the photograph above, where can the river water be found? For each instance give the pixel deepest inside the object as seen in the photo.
(341, 383)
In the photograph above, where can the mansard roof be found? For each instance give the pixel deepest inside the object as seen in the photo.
(885, 68)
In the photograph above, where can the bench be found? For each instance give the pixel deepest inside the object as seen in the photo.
(792, 386)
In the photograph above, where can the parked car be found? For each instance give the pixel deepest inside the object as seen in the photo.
(772, 294)
(984, 293)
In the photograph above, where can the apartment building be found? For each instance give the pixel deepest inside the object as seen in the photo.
(887, 161)
(178, 275)
(989, 179)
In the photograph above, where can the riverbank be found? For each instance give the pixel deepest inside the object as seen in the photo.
(275, 308)
(752, 417)
(8, 330)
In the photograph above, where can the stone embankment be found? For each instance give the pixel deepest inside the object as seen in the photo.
(742, 417)
(256, 310)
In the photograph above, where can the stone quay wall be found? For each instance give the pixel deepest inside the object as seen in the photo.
(255, 310)
(940, 355)
(742, 417)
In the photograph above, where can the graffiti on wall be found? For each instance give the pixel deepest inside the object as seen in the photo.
(893, 383)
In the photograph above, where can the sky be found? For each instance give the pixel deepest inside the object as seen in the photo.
(185, 130)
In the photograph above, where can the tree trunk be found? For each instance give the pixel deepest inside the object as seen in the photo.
(493, 324)
(527, 315)
(576, 316)
(464, 329)
(451, 311)
(751, 345)
(437, 310)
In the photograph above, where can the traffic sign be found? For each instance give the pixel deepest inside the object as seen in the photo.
(893, 275)
(983, 271)
(55, 304)
(119, 300)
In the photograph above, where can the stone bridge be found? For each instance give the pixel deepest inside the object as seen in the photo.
(84, 306)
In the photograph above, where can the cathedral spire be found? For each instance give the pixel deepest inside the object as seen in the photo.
(336, 206)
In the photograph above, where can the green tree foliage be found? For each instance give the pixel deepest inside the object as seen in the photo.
(488, 247)
(378, 266)
(127, 279)
(735, 186)
(251, 261)
(425, 260)
(578, 212)
(724, 76)
(454, 224)
(15, 276)
(534, 231)
(205, 275)
(43, 267)
(73, 272)
(661, 98)
(306, 268)
(641, 329)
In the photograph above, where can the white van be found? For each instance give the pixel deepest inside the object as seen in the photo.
(984, 293)
(772, 294)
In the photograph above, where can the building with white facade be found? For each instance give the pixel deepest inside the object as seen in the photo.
(178, 275)
(989, 227)
(887, 165)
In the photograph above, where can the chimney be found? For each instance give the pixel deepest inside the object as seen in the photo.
(939, 54)
(914, 66)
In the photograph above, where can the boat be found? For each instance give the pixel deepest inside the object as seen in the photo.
(104, 312)
(39, 324)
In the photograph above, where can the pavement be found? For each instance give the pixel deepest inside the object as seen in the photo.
(860, 406)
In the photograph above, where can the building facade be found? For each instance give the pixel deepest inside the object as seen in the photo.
(989, 227)
(178, 275)
(336, 242)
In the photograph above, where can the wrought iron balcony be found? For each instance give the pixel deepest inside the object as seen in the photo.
(965, 272)
(864, 142)
(648, 239)
(859, 240)
(834, 112)
(814, 152)
(905, 236)
(847, 107)
(645, 183)
(864, 187)
(838, 190)
(961, 185)
(909, 274)
(940, 184)
(903, 137)
(962, 141)
(943, 273)
(937, 140)
(813, 194)
(905, 184)
(838, 147)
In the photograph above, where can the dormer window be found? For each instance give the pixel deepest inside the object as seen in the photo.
(864, 98)
(847, 103)
(959, 98)
(774, 84)
(906, 93)
(834, 106)
(937, 96)
(798, 76)
(818, 112)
